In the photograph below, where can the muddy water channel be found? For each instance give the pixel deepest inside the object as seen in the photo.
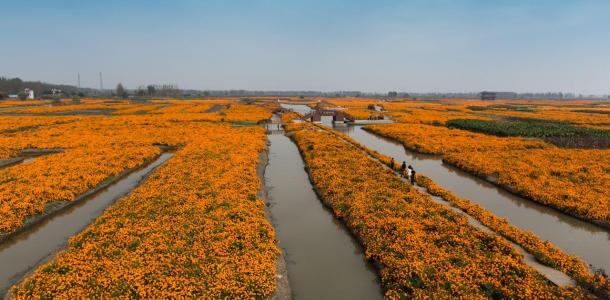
(27, 156)
(323, 260)
(24, 251)
(574, 236)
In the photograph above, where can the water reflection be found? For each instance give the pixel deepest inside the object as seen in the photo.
(25, 251)
(300, 108)
(323, 260)
(574, 236)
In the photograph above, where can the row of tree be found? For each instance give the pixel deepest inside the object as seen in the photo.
(16, 86)
(9, 86)
(152, 90)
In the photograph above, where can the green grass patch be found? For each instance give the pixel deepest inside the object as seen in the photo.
(513, 107)
(593, 111)
(526, 128)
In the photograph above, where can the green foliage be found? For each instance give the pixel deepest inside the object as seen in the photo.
(526, 128)
(513, 107)
(121, 92)
(593, 111)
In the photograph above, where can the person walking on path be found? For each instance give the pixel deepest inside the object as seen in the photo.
(412, 175)
(402, 168)
(409, 172)
(392, 163)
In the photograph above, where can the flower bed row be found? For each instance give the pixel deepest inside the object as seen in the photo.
(25, 189)
(422, 248)
(193, 110)
(96, 149)
(545, 252)
(575, 181)
(13, 124)
(193, 229)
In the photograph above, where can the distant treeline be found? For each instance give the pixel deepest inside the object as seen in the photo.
(10, 86)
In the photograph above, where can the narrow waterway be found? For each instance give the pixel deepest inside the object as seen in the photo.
(23, 252)
(300, 108)
(323, 260)
(26, 156)
(9, 162)
(574, 236)
(556, 276)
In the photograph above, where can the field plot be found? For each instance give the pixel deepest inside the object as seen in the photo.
(574, 180)
(205, 196)
(193, 228)
(571, 176)
(201, 223)
(422, 249)
(585, 240)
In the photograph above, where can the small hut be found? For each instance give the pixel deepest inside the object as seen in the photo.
(316, 116)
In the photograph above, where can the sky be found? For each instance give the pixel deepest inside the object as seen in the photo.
(323, 45)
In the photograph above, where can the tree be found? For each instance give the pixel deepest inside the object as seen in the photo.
(11, 86)
(22, 95)
(120, 91)
(151, 90)
(392, 94)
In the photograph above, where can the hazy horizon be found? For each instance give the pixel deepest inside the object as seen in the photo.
(369, 46)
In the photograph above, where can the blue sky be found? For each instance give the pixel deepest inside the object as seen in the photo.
(417, 46)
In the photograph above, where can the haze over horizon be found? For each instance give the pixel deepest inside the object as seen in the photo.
(370, 46)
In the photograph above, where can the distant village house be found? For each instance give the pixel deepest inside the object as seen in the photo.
(29, 94)
(488, 96)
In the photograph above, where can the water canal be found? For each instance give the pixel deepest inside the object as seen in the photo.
(323, 260)
(574, 236)
(27, 156)
(26, 250)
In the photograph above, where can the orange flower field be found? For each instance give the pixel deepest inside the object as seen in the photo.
(308, 150)
(422, 249)
(229, 109)
(12, 124)
(364, 114)
(545, 252)
(202, 225)
(194, 229)
(26, 189)
(575, 181)
(95, 149)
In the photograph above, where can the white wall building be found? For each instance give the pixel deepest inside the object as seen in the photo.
(29, 94)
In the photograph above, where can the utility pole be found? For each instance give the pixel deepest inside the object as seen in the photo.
(101, 82)
(78, 81)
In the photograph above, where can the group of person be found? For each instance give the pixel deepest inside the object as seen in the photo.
(405, 171)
